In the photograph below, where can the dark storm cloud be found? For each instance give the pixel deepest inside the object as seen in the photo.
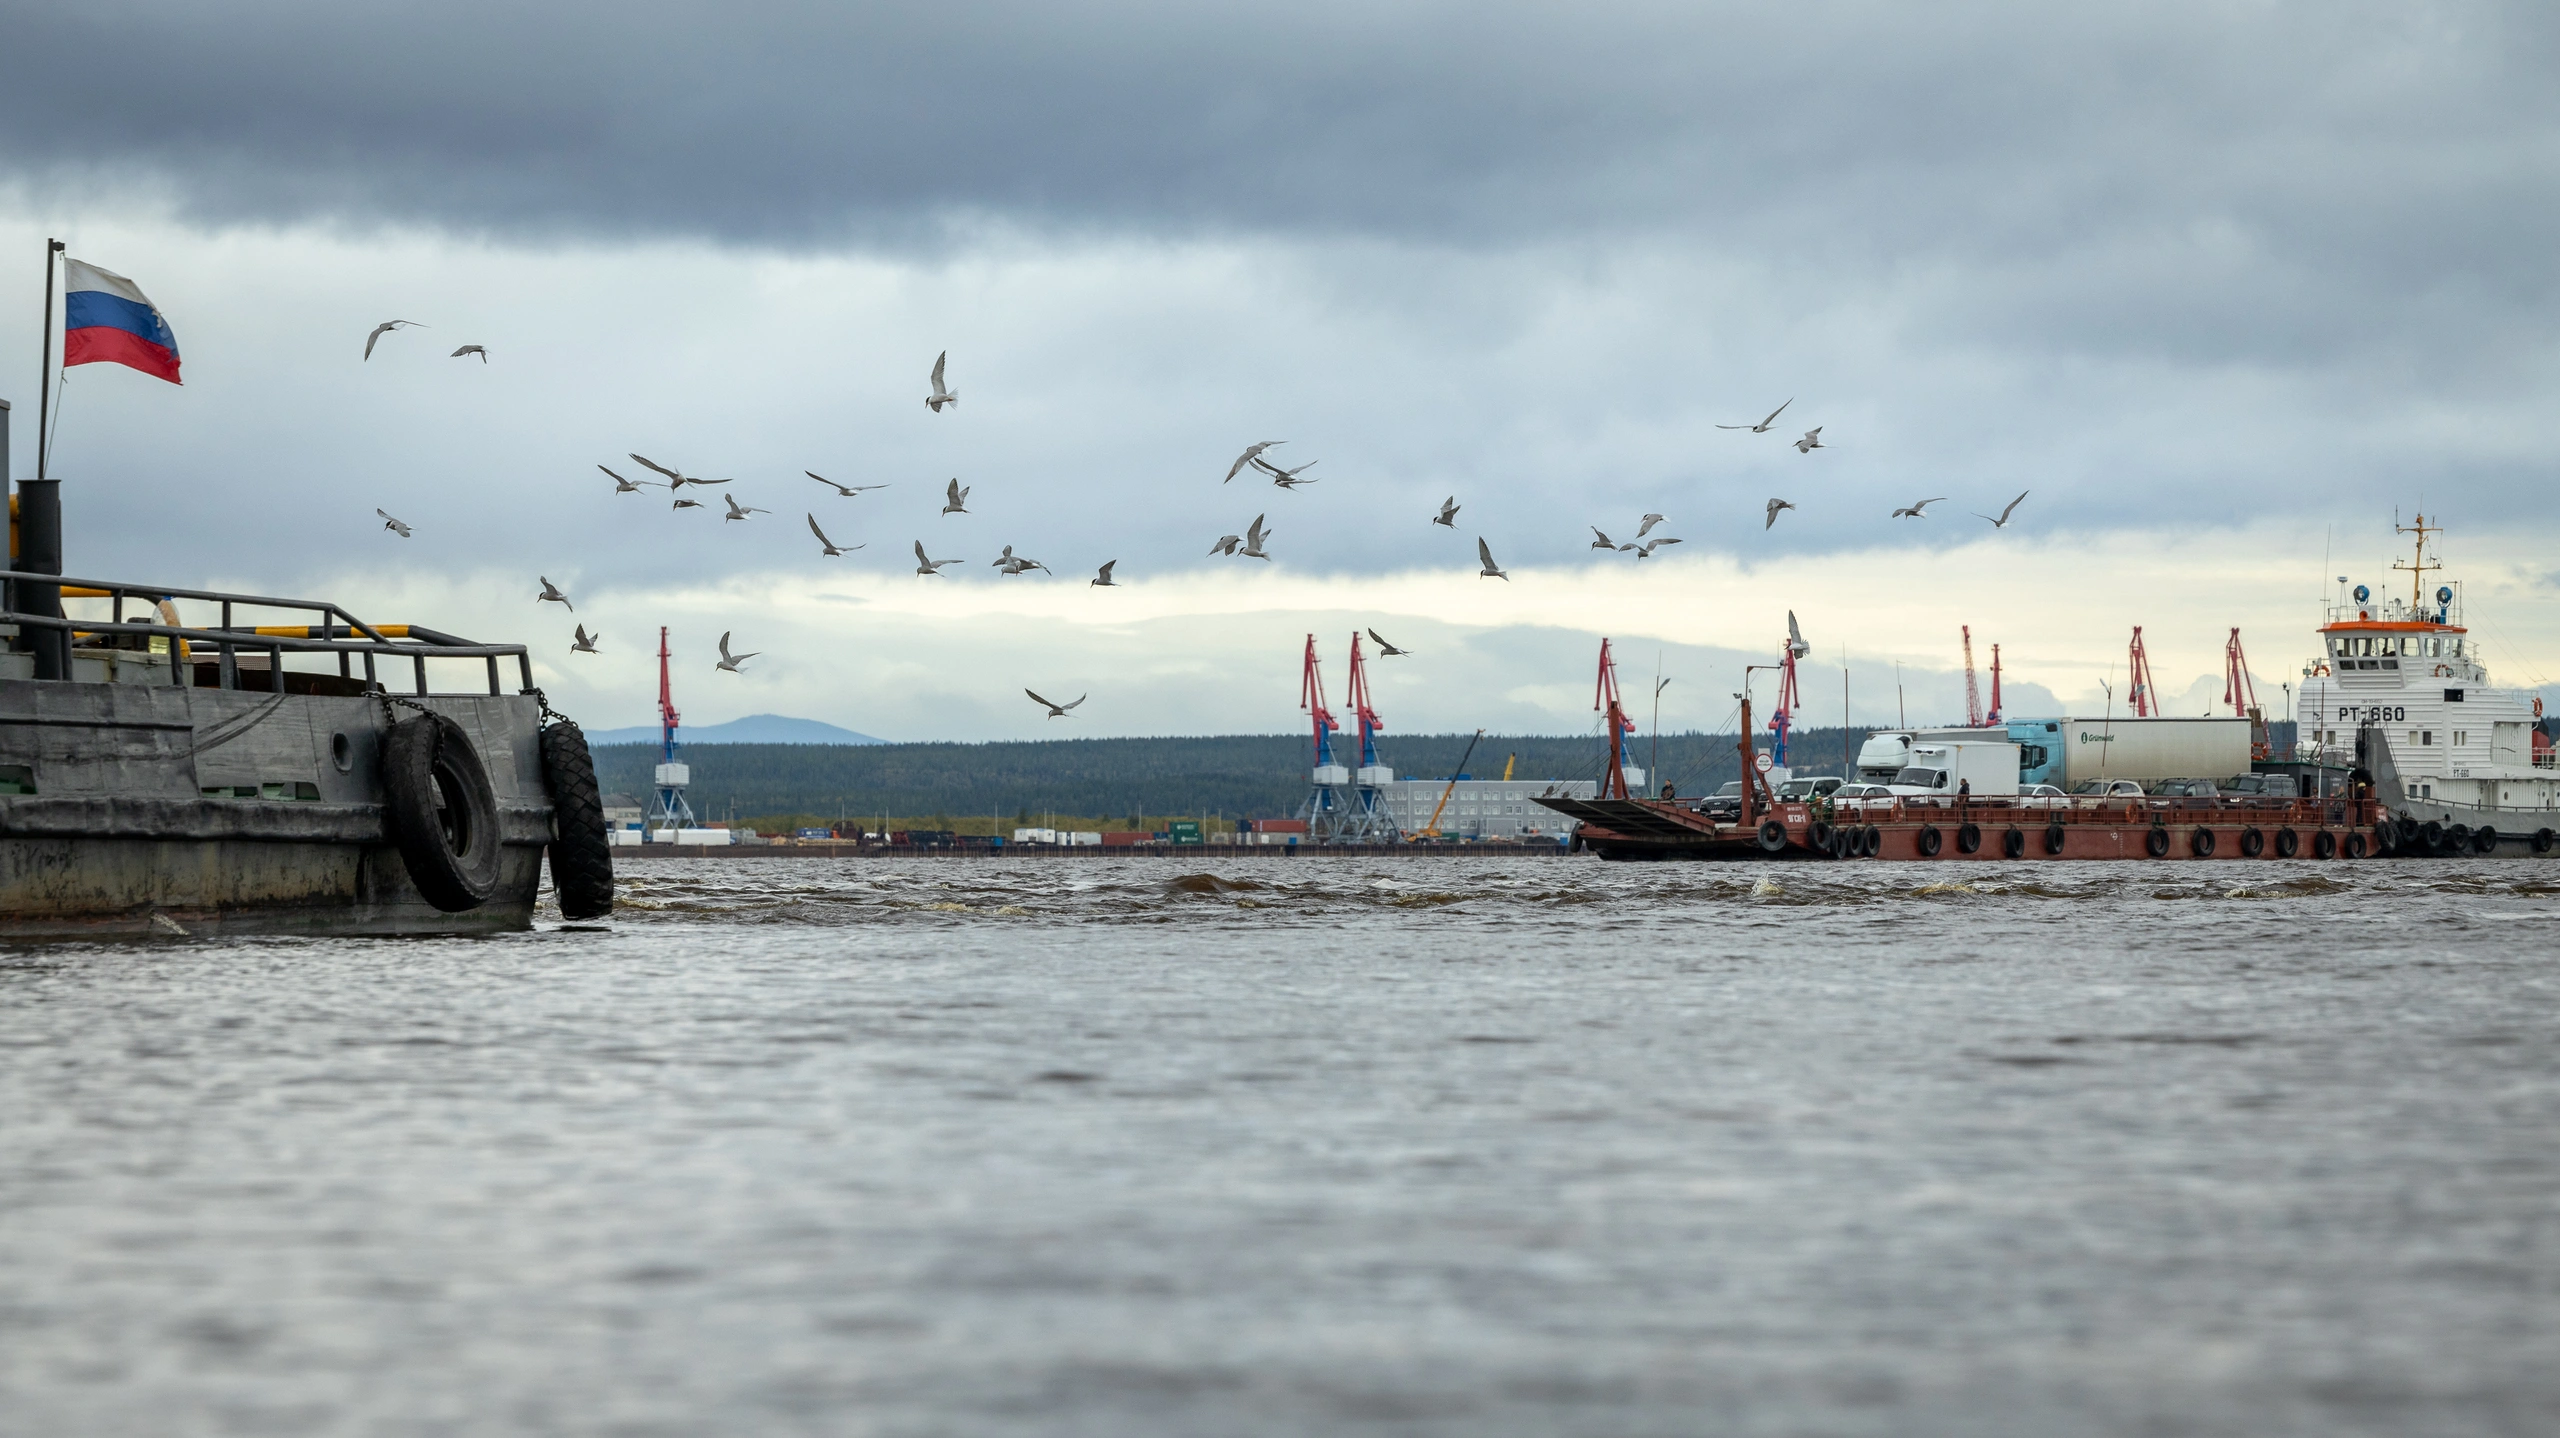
(2412, 140)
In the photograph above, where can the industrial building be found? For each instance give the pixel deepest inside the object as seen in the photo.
(1483, 808)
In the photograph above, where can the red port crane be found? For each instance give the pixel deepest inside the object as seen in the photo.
(1613, 785)
(1782, 720)
(1972, 691)
(1994, 716)
(1311, 699)
(2146, 704)
(2242, 695)
(1361, 713)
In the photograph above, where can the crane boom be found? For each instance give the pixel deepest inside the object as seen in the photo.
(1432, 829)
(1972, 692)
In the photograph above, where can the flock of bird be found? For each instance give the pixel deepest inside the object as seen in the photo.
(1249, 545)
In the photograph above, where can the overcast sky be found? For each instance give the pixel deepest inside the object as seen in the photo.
(2220, 285)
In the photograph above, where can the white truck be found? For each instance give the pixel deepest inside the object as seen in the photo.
(1945, 768)
(1887, 752)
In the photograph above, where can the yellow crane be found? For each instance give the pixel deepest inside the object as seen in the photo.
(1432, 829)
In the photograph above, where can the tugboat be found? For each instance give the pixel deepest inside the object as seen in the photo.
(2460, 766)
(169, 766)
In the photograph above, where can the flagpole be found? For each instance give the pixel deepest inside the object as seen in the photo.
(44, 375)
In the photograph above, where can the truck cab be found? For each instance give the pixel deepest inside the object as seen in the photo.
(1944, 770)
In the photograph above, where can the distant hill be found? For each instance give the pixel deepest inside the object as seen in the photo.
(754, 729)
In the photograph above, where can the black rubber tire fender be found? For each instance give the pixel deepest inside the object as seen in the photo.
(2353, 848)
(2252, 843)
(2388, 835)
(2013, 843)
(1819, 836)
(2484, 840)
(2288, 843)
(2542, 841)
(2056, 837)
(581, 849)
(2201, 843)
(2457, 840)
(2324, 845)
(1773, 836)
(1872, 842)
(1968, 837)
(2431, 836)
(440, 812)
(2156, 843)
(1929, 841)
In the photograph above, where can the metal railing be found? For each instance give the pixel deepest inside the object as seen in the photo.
(338, 632)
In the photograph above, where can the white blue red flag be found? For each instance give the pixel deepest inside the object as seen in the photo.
(107, 319)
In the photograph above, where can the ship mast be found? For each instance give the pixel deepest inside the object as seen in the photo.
(2419, 567)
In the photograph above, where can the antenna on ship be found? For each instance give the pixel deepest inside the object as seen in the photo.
(2417, 568)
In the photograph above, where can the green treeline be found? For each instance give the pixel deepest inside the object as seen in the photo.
(1229, 776)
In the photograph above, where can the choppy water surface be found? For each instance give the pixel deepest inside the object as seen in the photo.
(1430, 1146)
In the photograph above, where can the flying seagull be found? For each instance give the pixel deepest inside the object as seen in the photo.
(625, 486)
(1916, 508)
(1812, 441)
(940, 396)
(551, 592)
(1254, 534)
(956, 498)
(740, 511)
(1645, 550)
(1774, 506)
(1250, 451)
(1226, 544)
(1057, 711)
(674, 480)
(1286, 478)
(1763, 426)
(686, 504)
(825, 544)
(1491, 570)
(470, 350)
(1104, 578)
(929, 566)
(586, 643)
(2003, 521)
(1604, 541)
(847, 490)
(1013, 564)
(1386, 650)
(384, 328)
(728, 660)
(395, 526)
(1795, 638)
(1650, 521)
(1448, 514)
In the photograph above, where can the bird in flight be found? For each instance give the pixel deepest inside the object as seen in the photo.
(1013, 564)
(728, 660)
(1491, 570)
(940, 396)
(384, 328)
(1386, 650)
(470, 350)
(1775, 505)
(1448, 514)
(740, 511)
(1763, 426)
(2003, 521)
(1650, 521)
(1226, 544)
(1812, 441)
(1286, 478)
(1104, 578)
(1645, 550)
(625, 486)
(1057, 711)
(1251, 453)
(686, 504)
(395, 526)
(1795, 638)
(929, 566)
(551, 592)
(586, 643)
(955, 499)
(1916, 508)
(825, 544)
(847, 490)
(1603, 541)
(674, 480)
(1254, 534)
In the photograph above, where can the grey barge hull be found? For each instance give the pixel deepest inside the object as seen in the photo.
(140, 805)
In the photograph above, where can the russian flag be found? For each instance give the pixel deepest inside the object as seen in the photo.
(107, 319)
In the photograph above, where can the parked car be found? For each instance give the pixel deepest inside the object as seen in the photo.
(1724, 803)
(2267, 786)
(1861, 798)
(2107, 789)
(1798, 791)
(2184, 789)
(2043, 796)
